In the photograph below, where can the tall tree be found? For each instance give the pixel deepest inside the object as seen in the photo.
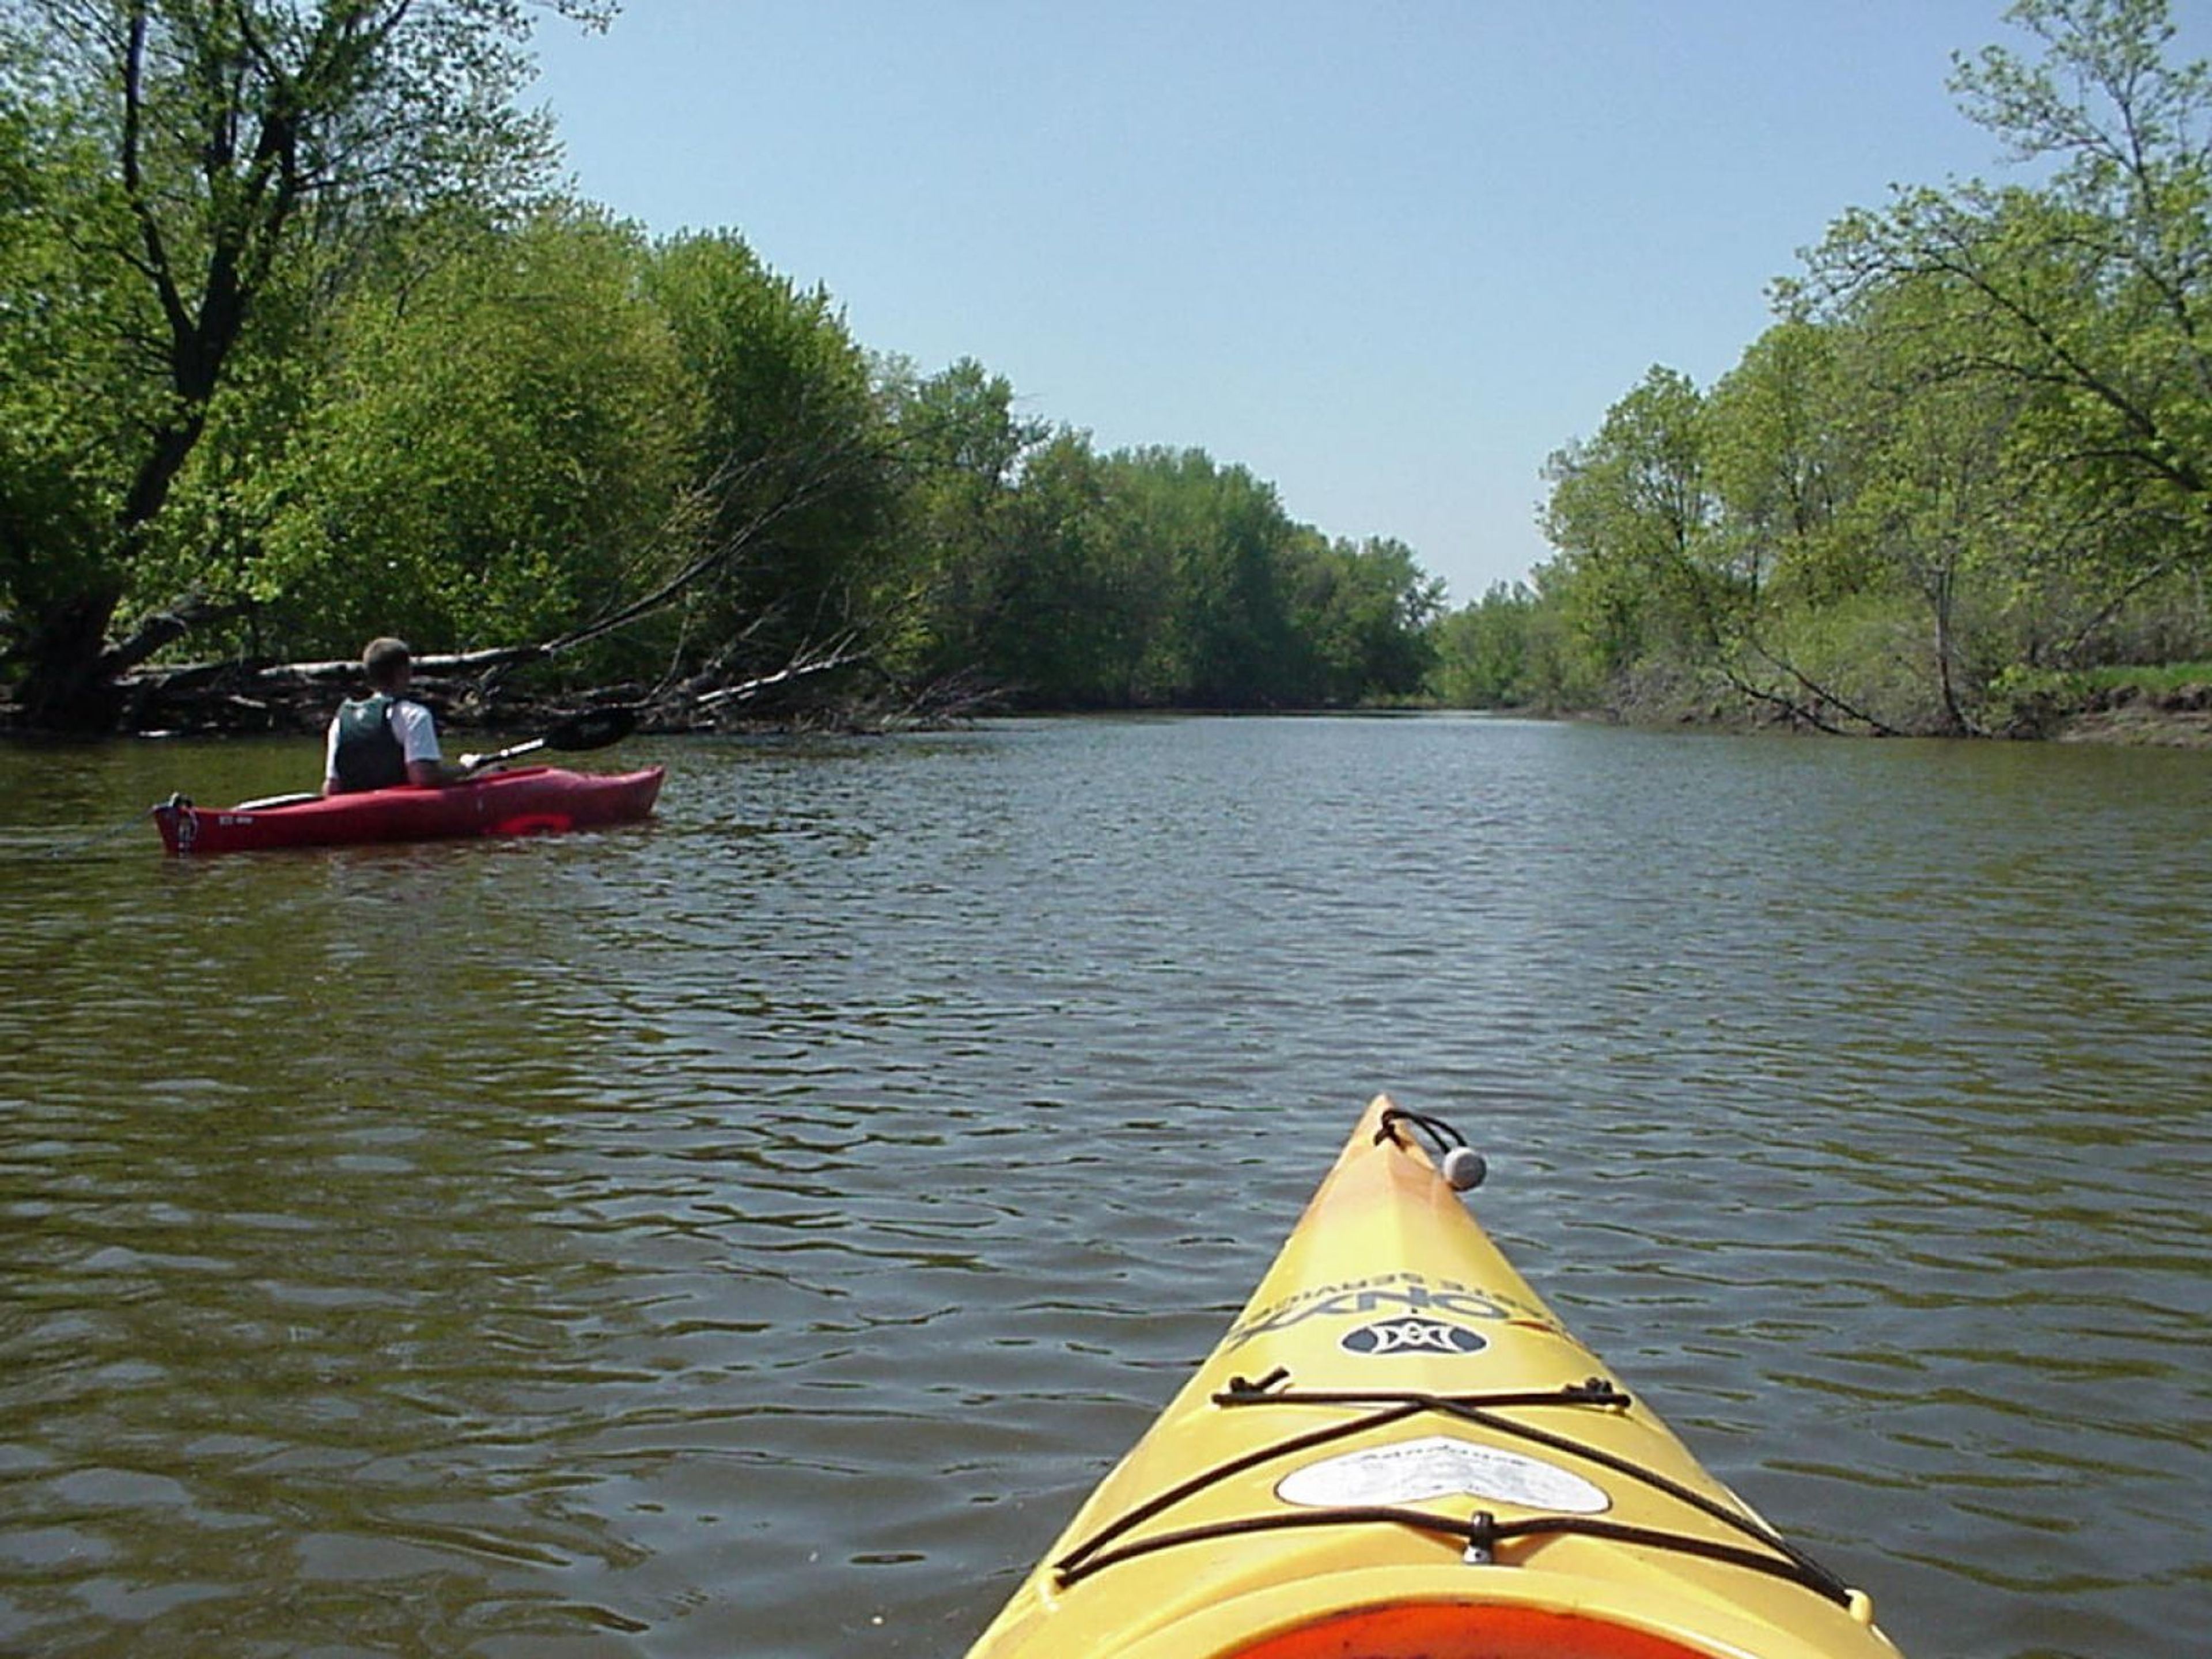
(1631, 511)
(1778, 461)
(238, 140)
(1224, 539)
(65, 420)
(791, 452)
(1488, 652)
(496, 439)
(1075, 599)
(1361, 618)
(2088, 296)
(961, 450)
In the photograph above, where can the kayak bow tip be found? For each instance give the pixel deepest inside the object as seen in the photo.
(1464, 1169)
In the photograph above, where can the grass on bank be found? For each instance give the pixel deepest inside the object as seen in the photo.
(2152, 681)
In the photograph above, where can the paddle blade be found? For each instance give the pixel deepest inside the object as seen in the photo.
(595, 728)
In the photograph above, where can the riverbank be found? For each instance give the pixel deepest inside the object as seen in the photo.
(2160, 708)
(2168, 708)
(2164, 708)
(2145, 723)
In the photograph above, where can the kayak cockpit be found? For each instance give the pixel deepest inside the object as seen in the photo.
(1459, 1629)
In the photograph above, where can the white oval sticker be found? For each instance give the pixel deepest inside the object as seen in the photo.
(1416, 1471)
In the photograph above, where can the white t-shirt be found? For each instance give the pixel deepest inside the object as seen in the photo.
(410, 722)
(417, 732)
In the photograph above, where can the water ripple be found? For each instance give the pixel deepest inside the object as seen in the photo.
(757, 1231)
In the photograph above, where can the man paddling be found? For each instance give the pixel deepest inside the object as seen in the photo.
(386, 739)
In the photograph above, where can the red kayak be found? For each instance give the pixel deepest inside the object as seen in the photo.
(533, 800)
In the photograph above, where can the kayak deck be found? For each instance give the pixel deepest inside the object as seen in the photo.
(527, 801)
(1397, 1450)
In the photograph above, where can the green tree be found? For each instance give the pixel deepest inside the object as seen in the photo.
(1483, 650)
(237, 140)
(65, 422)
(1222, 538)
(1779, 464)
(790, 454)
(1159, 578)
(1632, 513)
(1361, 616)
(1795, 437)
(962, 450)
(2085, 300)
(490, 457)
(1073, 605)
(1934, 514)
(1979, 432)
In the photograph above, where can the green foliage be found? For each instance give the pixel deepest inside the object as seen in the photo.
(1221, 535)
(490, 454)
(303, 328)
(1633, 512)
(67, 410)
(790, 452)
(299, 331)
(1483, 651)
(1063, 615)
(1145, 578)
(1868, 659)
(961, 450)
(2087, 302)
(1364, 616)
(2155, 678)
(1783, 467)
(1980, 433)
(2024, 695)
(206, 167)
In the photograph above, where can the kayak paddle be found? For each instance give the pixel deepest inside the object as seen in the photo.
(595, 728)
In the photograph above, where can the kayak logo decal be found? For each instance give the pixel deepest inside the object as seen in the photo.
(1412, 1335)
(1397, 1296)
(1439, 1465)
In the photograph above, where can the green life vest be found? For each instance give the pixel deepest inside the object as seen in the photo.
(368, 754)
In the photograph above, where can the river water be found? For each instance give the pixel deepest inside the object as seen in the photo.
(752, 1233)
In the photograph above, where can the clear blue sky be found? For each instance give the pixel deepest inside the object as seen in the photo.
(1388, 254)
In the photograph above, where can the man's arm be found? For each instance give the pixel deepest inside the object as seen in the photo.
(331, 759)
(426, 768)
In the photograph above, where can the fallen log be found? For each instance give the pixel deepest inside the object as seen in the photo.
(469, 690)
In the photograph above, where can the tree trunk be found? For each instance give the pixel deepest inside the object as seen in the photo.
(1940, 593)
(66, 686)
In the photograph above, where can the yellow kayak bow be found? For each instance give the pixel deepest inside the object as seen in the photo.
(1398, 1451)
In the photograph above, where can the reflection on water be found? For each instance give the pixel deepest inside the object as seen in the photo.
(753, 1232)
